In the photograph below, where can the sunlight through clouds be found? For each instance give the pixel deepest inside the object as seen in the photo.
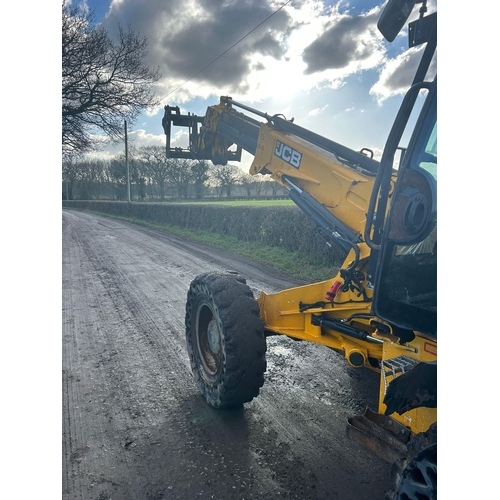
(312, 59)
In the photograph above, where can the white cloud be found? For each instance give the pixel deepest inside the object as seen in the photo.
(135, 138)
(346, 44)
(142, 138)
(300, 62)
(317, 111)
(397, 74)
(304, 46)
(179, 139)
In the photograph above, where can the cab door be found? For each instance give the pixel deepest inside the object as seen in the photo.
(405, 291)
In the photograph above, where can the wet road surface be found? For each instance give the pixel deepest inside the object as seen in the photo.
(134, 424)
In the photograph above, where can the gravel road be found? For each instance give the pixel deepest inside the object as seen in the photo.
(135, 425)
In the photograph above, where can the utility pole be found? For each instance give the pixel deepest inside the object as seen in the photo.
(126, 163)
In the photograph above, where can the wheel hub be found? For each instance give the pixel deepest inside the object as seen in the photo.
(213, 337)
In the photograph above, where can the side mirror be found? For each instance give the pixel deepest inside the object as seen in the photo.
(394, 17)
(413, 212)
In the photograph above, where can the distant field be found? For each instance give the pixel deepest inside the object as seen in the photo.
(240, 203)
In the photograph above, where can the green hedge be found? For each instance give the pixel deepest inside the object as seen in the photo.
(281, 226)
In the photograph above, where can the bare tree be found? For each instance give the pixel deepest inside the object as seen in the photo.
(259, 186)
(265, 184)
(181, 175)
(224, 178)
(248, 183)
(276, 188)
(117, 173)
(200, 176)
(104, 81)
(69, 176)
(89, 177)
(156, 166)
(138, 172)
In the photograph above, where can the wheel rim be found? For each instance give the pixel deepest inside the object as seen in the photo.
(419, 480)
(208, 338)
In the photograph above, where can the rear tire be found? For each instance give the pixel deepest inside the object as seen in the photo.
(416, 476)
(225, 339)
(419, 480)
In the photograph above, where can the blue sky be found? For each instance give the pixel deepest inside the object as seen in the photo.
(322, 62)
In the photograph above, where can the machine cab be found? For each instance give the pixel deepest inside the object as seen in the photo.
(406, 277)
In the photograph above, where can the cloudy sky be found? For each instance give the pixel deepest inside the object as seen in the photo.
(322, 62)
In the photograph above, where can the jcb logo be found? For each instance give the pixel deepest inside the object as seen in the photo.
(288, 154)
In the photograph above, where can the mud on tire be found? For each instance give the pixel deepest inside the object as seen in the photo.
(225, 339)
(416, 477)
(419, 480)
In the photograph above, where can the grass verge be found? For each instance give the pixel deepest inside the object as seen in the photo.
(289, 263)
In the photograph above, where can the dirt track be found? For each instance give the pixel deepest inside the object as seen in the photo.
(134, 424)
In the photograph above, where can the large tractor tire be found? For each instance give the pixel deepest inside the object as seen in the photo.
(416, 477)
(225, 339)
(419, 479)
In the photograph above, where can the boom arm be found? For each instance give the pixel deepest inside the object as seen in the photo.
(331, 183)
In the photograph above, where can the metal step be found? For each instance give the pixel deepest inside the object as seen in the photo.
(394, 366)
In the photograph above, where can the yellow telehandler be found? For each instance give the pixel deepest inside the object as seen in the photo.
(380, 310)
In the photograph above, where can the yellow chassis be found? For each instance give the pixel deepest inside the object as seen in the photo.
(281, 315)
(345, 192)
